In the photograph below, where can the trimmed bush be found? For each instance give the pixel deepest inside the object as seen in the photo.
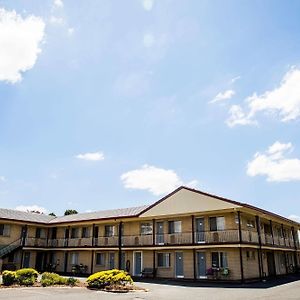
(9, 277)
(72, 281)
(26, 276)
(109, 278)
(52, 279)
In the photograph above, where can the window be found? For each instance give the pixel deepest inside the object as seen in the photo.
(74, 258)
(219, 260)
(250, 224)
(40, 233)
(4, 230)
(109, 230)
(85, 232)
(250, 255)
(163, 260)
(217, 223)
(146, 228)
(100, 259)
(74, 233)
(174, 226)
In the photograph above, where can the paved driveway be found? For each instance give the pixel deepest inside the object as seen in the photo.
(160, 291)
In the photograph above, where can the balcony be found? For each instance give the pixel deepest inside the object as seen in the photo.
(137, 240)
(35, 242)
(183, 238)
(106, 241)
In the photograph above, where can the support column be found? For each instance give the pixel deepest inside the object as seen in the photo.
(93, 251)
(282, 232)
(153, 232)
(240, 248)
(120, 246)
(23, 241)
(295, 246)
(154, 264)
(272, 232)
(259, 258)
(193, 229)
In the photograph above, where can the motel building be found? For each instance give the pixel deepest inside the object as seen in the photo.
(188, 234)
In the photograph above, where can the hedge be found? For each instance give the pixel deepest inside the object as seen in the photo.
(109, 278)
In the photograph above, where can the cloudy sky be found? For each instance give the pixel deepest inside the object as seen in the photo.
(108, 104)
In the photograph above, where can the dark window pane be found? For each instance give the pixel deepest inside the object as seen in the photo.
(213, 223)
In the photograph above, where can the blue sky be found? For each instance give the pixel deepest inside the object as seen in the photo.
(108, 104)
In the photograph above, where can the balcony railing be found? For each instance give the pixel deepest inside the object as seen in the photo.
(183, 238)
(106, 241)
(137, 240)
(35, 242)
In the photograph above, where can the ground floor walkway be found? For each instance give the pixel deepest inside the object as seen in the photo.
(286, 288)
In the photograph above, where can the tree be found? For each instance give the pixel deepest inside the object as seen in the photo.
(52, 214)
(70, 212)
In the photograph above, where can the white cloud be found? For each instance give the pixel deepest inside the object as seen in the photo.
(70, 31)
(58, 3)
(274, 164)
(223, 96)
(56, 20)
(32, 208)
(234, 79)
(2, 178)
(92, 156)
(238, 117)
(148, 4)
(148, 40)
(283, 101)
(157, 181)
(20, 39)
(294, 218)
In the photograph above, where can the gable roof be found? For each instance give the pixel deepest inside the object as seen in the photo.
(236, 203)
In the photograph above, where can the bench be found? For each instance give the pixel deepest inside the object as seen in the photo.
(149, 272)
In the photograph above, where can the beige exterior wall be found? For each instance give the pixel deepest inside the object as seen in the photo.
(13, 234)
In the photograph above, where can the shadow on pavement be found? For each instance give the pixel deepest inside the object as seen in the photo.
(268, 283)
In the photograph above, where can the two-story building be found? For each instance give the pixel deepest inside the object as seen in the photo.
(187, 234)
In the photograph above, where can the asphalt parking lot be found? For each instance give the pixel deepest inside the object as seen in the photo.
(290, 290)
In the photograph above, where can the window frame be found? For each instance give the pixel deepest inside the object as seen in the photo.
(102, 261)
(149, 230)
(165, 259)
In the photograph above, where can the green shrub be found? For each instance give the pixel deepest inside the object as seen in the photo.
(52, 279)
(72, 281)
(108, 278)
(9, 277)
(26, 276)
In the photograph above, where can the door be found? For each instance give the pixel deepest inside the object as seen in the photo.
(66, 262)
(26, 261)
(179, 265)
(271, 264)
(96, 234)
(123, 262)
(67, 233)
(111, 260)
(201, 264)
(160, 233)
(200, 237)
(137, 261)
(54, 233)
(39, 263)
